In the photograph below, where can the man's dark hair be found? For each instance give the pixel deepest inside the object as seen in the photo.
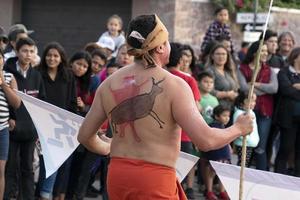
(143, 24)
(204, 74)
(24, 41)
(268, 35)
(175, 54)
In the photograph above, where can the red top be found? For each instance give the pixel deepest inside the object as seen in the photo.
(264, 103)
(194, 86)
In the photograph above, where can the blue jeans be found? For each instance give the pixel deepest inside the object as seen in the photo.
(263, 126)
(45, 185)
(4, 144)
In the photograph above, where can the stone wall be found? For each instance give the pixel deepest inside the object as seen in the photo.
(192, 20)
(286, 20)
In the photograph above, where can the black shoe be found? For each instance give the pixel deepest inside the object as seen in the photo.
(190, 193)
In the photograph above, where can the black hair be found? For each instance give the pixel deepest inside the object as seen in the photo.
(112, 63)
(24, 41)
(63, 65)
(268, 35)
(219, 109)
(189, 48)
(144, 24)
(206, 51)
(240, 99)
(222, 37)
(100, 53)
(244, 44)
(175, 54)
(204, 74)
(84, 81)
(219, 9)
(250, 56)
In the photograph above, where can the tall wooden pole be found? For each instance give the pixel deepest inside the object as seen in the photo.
(250, 93)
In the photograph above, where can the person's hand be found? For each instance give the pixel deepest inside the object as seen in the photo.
(80, 103)
(232, 95)
(297, 86)
(245, 124)
(257, 84)
(11, 124)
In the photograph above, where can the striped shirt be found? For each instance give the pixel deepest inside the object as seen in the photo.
(4, 110)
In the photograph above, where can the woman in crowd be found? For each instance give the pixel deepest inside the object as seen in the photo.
(222, 67)
(266, 86)
(289, 117)
(60, 91)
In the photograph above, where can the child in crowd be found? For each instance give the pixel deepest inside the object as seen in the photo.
(123, 58)
(218, 27)
(86, 84)
(252, 139)
(208, 102)
(221, 116)
(112, 68)
(99, 61)
(114, 31)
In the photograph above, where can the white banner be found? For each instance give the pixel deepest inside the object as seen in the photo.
(57, 130)
(258, 185)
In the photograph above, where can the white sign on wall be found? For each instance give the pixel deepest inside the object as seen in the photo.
(246, 18)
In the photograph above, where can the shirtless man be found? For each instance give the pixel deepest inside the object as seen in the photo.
(146, 106)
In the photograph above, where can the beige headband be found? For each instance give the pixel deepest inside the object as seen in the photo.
(158, 36)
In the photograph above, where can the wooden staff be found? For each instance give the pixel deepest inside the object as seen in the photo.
(250, 94)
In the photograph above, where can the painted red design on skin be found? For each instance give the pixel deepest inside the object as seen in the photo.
(132, 106)
(130, 89)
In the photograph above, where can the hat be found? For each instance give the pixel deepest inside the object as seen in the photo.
(19, 27)
(106, 42)
(3, 36)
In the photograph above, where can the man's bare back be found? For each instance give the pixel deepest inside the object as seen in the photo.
(138, 104)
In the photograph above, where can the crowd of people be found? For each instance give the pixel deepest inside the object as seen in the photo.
(219, 80)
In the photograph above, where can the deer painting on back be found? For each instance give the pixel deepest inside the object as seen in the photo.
(136, 107)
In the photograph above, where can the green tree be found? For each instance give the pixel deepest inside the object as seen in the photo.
(235, 6)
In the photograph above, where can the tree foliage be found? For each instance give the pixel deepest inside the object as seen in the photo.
(235, 6)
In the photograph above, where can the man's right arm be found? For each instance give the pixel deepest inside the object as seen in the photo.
(188, 117)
